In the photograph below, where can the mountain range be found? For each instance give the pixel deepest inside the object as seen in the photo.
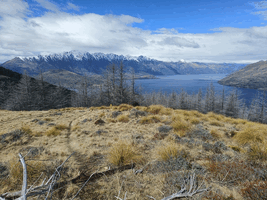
(86, 64)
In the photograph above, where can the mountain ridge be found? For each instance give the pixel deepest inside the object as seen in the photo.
(84, 63)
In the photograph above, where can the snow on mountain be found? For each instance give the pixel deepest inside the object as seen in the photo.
(84, 63)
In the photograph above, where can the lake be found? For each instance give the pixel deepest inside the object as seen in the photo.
(191, 84)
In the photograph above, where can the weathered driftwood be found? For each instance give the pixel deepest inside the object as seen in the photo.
(193, 189)
(52, 184)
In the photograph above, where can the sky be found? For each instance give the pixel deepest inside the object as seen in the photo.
(171, 30)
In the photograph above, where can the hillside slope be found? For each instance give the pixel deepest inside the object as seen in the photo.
(253, 76)
(168, 145)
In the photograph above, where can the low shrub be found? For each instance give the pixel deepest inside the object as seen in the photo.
(122, 153)
(254, 190)
(230, 172)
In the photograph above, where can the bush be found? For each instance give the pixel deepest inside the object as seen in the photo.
(122, 153)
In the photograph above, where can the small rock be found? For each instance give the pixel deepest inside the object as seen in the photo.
(51, 124)
(207, 146)
(35, 120)
(41, 122)
(85, 120)
(164, 129)
(137, 136)
(99, 121)
(136, 113)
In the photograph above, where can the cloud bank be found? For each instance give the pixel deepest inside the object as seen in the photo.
(57, 30)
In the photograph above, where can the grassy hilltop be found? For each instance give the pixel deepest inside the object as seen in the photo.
(229, 154)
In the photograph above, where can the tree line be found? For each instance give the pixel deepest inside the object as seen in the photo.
(29, 94)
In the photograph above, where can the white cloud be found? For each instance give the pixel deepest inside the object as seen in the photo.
(57, 31)
(73, 7)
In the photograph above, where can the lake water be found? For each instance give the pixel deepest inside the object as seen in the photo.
(191, 84)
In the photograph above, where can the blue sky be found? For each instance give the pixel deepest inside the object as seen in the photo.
(202, 31)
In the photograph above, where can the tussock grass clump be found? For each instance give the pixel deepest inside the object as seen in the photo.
(150, 119)
(194, 120)
(122, 153)
(236, 148)
(196, 113)
(109, 120)
(141, 108)
(215, 133)
(53, 131)
(250, 135)
(75, 128)
(257, 152)
(216, 123)
(156, 109)
(56, 130)
(26, 129)
(102, 114)
(124, 107)
(15, 178)
(218, 117)
(181, 127)
(170, 150)
(123, 118)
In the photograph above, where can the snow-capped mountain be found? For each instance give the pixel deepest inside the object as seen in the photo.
(84, 63)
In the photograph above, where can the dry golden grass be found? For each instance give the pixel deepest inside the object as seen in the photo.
(102, 114)
(150, 119)
(194, 120)
(216, 123)
(235, 148)
(258, 152)
(26, 129)
(123, 118)
(181, 127)
(47, 119)
(250, 134)
(215, 133)
(141, 108)
(170, 150)
(111, 120)
(124, 107)
(122, 153)
(75, 128)
(157, 109)
(53, 132)
(196, 114)
(15, 178)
